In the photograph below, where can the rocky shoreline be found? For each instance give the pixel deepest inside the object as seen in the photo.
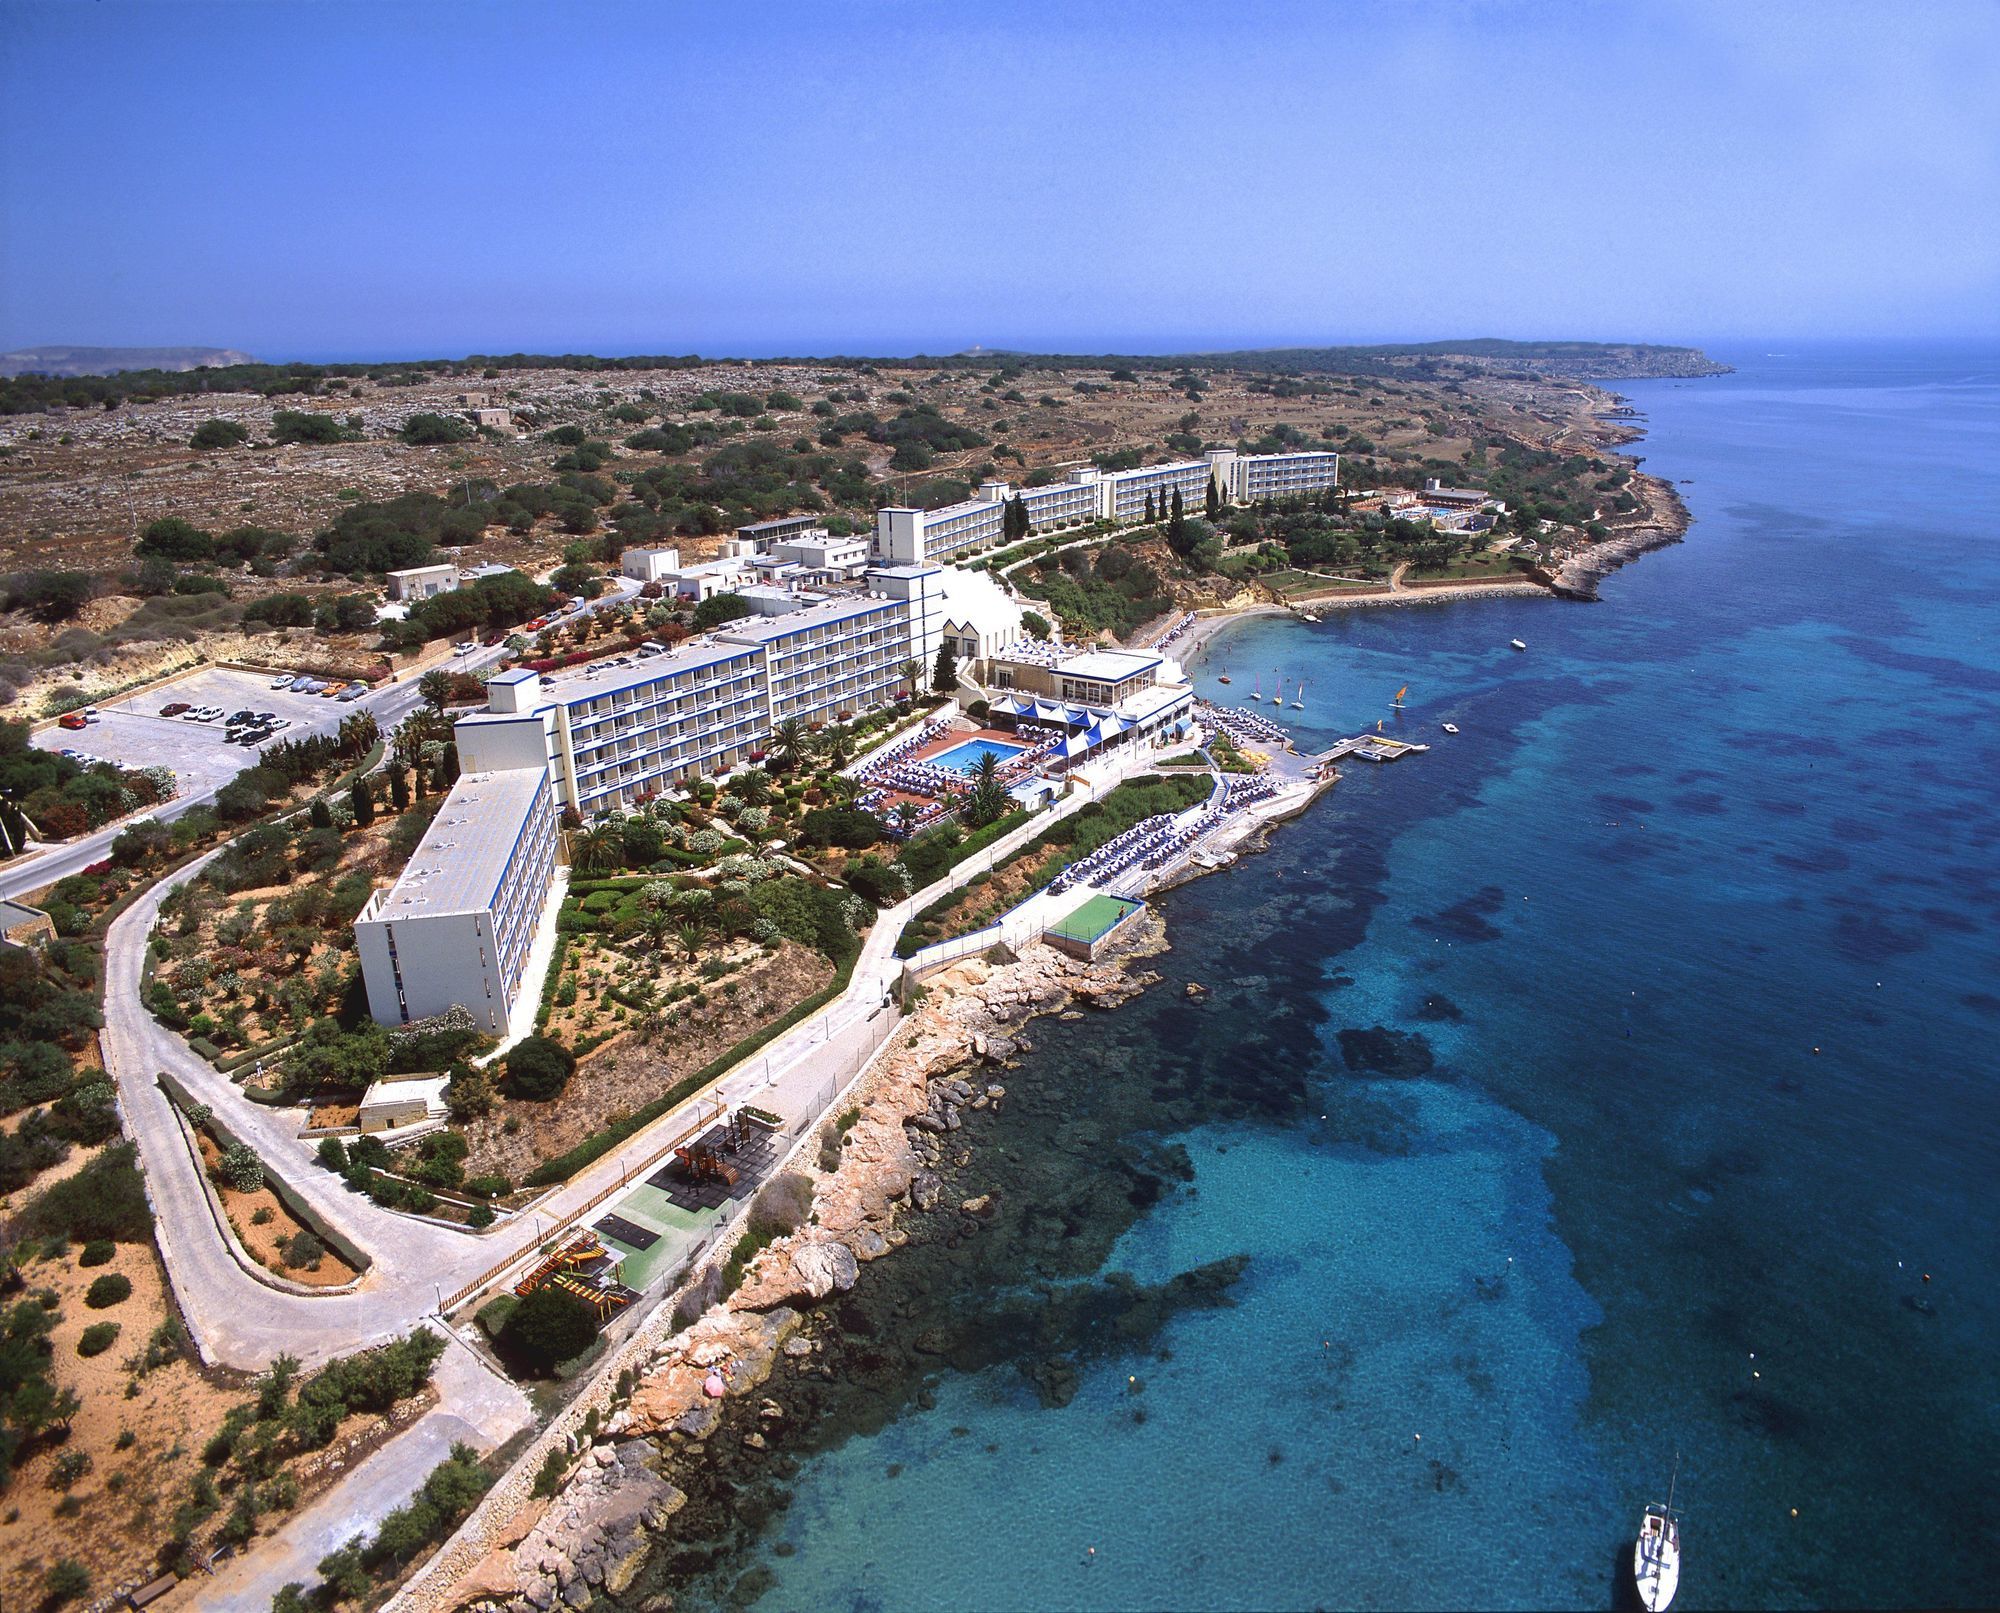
(1668, 523)
(705, 1396)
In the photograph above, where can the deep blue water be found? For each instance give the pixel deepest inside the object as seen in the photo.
(1696, 918)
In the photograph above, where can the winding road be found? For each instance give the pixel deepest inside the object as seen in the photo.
(238, 1319)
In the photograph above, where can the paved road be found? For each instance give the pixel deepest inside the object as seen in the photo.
(474, 1407)
(241, 1321)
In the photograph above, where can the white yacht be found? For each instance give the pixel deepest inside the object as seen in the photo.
(1451, 728)
(1656, 1558)
(1517, 644)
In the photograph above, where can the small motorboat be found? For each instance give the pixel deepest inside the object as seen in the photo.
(1656, 1558)
(1451, 728)
(1517, 644)
(1224, 678)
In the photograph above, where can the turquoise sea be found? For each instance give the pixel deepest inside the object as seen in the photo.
(1617, 1079)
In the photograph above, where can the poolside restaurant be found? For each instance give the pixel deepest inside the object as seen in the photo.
(1098, 699)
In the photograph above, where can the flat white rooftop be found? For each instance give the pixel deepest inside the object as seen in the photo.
(456, 867)
(629, 671)
(815, 612)
(1108, 666)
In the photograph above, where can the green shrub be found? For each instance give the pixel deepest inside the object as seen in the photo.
(106, 1199)
(97, 1338)
(97, 1252)
(492, 1316)
(538, 1068)
(65, 1582)
(547, 1328)
(112, 1288)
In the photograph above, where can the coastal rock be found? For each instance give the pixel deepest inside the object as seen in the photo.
(824, 1268)
(925, 1189)
(594, 1538)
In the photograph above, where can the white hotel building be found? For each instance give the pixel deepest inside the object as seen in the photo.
(908, 537)
(457, 927)
(615, 731)
(1251, 478)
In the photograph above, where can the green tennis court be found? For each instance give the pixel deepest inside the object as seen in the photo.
(1093, 920)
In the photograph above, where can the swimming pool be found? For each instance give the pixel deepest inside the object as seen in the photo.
(965, 758)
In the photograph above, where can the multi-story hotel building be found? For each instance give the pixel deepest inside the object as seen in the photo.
(457, 927)
(1127, 490)
(1249, 478)
(908, 537)
(614, 732)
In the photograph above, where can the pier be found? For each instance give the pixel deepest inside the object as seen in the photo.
(1372, 748)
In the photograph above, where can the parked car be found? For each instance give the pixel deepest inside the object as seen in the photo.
(173, 708)
(73, 719)
(355, 693)
(243, 716)
(283, 680)
(464, 647)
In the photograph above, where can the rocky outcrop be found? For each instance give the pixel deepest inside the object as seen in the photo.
(592, 1539)
(1668, 522)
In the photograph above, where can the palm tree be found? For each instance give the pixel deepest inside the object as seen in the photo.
(598, 847)
(435, 689)
(907, 814)
(988, 798)
(409, 742)
(752, 787)
(792, 740)
(690, 940)
(913, 672)
(358, 731)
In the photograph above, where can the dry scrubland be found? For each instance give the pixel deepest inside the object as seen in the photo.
(77, 486)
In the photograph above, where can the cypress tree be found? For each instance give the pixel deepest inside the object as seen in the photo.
(1214, 503)
(1149, 509)
(362, 799)
(944, 676)
(399, 789)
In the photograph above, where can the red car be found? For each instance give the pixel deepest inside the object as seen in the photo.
(73, 719)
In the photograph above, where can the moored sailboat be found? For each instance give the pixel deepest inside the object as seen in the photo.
(1300, 703)
(1656, 1558)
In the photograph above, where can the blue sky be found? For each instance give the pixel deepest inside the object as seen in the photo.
(373, 178)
